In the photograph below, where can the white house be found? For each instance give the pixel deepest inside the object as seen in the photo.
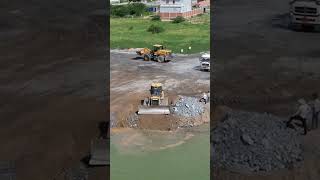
(175, 6)
(170, 9)
(114, 1)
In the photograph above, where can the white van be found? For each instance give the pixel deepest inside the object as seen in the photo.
(205, 62)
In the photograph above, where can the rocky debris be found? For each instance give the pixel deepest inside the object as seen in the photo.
(188, 107)
(246, 139)
(186, 123)
(132, 120)
(253, 142)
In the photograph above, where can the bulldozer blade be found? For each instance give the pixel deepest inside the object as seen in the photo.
(100, 152)
(154, 110)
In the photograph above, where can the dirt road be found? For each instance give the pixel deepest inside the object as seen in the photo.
(52, 85)
(131, 78)
(266, 67)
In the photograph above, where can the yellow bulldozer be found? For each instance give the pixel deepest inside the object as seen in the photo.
(156, 103)
(158, 53)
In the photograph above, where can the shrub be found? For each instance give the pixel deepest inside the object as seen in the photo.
(136, 9)
(155, 29)
(156, 18)
(119, 11)
(178, 19)
(130, 28)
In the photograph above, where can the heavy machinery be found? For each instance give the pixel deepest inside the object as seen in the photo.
(156, 103)
(158, 53)
(205, 62)
(304, 13)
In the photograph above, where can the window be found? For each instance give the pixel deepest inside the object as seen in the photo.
(167, 1)
(174, 1)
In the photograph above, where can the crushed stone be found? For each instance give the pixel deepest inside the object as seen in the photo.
(253, 142)
(188, 107)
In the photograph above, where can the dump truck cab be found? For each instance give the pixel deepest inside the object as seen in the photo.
(304, 13)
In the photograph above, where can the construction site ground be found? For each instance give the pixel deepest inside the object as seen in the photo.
(52, 85)
(131, 78)
(157, 138)
(261, 65)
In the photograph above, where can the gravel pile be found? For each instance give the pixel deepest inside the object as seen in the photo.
(253, 142)
(188, 107)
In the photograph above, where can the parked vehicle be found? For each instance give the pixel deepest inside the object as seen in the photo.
(158, 53)
(205, 62)
(304, 13)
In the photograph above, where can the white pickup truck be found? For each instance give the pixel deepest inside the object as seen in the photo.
(304, 13)
(205, 62)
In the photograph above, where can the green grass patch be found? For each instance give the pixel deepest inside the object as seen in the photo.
(132, 33)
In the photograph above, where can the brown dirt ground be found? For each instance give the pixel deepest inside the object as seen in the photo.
(52, 85)
(131, 80)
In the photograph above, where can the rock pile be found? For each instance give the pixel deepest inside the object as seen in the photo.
(188, 107)
(253, 142)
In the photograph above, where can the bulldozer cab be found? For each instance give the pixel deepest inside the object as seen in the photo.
(156, 89)
(157, 47)
(156, 94)
(156, 103)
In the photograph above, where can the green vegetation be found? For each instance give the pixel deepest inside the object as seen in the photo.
(178, 19)
(132, 9)
(175, 36)
(201, 19)
(155, 29)
(156, 18)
